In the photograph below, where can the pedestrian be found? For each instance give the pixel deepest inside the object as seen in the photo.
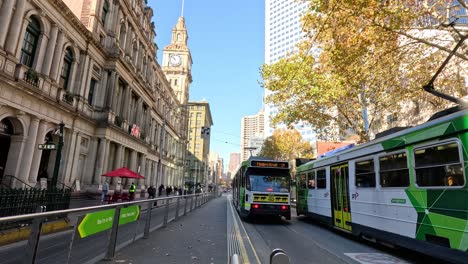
(105, 190)
(132, 191)
(151, 192)
(168, 190)
(160, 189)
(175, 190)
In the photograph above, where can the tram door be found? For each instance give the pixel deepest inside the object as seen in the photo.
(340, 196)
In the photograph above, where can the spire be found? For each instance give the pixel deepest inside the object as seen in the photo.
(182, 13)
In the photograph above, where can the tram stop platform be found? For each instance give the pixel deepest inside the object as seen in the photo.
(198, 237)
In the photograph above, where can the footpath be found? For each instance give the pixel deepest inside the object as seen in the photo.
(199, 237)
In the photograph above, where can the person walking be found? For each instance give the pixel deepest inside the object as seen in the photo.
(105, 190)
(132, 191)
(151, 192)
(160, 189)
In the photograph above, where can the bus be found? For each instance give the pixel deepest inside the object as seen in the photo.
(407, 188)
(261, 187)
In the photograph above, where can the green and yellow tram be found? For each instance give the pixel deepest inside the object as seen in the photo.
(408, 188)
(261, 187)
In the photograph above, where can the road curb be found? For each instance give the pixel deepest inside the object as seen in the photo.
(22, 233)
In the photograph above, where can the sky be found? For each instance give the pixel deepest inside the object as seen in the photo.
(226, 39)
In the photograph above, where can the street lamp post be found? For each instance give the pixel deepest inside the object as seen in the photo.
(58, 157)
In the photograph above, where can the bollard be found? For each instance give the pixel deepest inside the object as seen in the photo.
(148, 220)
(234, 259)
(166, 215)
(177, 209)
(113, 238)
(278, 256)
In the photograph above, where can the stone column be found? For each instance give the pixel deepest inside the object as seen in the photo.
(5, 16)
(41, 53)
(133, 164)
(110, 90)
(128, 96)
(101, 99)
(37, 153)
(90, 162)
(118, 162)
(67, 155)
(85, 81)
(15, 28)
(50, 50)
(57, 56)
(142, 170)
(101, 154)
(114, 99)
(71, 83)
(75, 159)
(30, 146)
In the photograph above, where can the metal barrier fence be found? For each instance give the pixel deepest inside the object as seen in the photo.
(27, 201)
(98, 231)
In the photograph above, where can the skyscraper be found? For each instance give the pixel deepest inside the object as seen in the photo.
(283, 31)
(252, 128)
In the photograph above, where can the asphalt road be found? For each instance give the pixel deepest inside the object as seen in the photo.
(202, 237)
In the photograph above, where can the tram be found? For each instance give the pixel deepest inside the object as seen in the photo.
(407, 189)
(261, 187)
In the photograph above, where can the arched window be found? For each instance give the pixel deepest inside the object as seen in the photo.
(31, 39)
(66, 69)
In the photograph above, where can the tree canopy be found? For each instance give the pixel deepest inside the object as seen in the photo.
(365, 56)
(285, 145)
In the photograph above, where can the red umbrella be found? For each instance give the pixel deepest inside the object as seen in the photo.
(123, 173)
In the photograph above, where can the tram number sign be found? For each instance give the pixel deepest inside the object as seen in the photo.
(47, 146)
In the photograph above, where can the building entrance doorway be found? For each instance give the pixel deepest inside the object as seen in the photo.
(6, 130)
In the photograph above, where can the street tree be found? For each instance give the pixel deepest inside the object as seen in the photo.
(285, 144)
(361, 59)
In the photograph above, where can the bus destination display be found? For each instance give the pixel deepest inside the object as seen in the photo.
(269, 164)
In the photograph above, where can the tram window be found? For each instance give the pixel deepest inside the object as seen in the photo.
(321, 179)
(394, 170)
(439, 166)
(311, 180)
(365, 174)
(302, 181)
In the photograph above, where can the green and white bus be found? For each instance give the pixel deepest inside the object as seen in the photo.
(261, 187)
(408, 188)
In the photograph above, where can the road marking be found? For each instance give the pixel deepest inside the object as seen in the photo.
(243, 250)
(375, 258)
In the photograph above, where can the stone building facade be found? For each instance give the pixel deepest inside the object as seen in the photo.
(92, 65)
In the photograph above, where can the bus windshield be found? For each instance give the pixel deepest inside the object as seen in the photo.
(263, 183)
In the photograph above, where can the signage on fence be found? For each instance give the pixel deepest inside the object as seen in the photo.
(97, 222)
(47, 146)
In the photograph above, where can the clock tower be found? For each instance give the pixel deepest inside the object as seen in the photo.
(177, 62)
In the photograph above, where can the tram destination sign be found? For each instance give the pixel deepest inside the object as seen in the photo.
(269, 164)
(47, 146)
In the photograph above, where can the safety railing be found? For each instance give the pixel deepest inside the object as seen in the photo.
(98, 230)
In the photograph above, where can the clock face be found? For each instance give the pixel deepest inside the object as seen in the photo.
(175, 60)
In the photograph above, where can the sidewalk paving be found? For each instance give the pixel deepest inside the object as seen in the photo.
(198, 237)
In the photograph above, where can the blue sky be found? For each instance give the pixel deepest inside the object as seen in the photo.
(226, 39)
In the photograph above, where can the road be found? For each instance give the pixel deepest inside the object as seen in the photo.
(208, 233)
